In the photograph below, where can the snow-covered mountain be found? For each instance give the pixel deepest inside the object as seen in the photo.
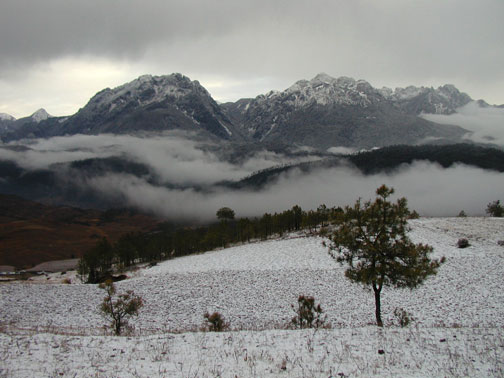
(40, 115)
(326, 111)
(322, 112)
(418, 100)
(6, 117)
(12, 128)
(151, 103)
(6, 122)
(148, 103)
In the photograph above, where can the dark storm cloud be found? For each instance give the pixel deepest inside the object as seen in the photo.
(35, 30)
(390, 38)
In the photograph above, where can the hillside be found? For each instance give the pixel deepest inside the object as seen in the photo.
(457, 327)
(32, 233)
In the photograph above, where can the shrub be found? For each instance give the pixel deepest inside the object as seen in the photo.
(414, 215)
(403, 317)
(215, 322)
(119, 309)
(462, 214)
(495, 209)
(308, 315)
(463, 243)
(324, 231)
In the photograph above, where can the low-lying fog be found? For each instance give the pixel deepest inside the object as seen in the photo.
(430, 189)
(485, 123)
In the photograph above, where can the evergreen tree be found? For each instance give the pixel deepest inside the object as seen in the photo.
(372, 240)
(118, 309)
(225, 214)
(495, 209)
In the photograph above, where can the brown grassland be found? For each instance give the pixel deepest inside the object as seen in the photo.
(31, 233)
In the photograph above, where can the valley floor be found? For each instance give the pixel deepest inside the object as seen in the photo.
(56, 330)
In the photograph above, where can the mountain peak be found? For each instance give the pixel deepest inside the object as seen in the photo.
(417, 100)
(323, 78)
(6, 117)
(146, 89)
(151, 103)
(40, 115)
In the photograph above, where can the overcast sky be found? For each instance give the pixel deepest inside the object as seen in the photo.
(56, 54)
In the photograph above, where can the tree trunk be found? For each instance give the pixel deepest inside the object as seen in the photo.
(377, 292)
(118, 327)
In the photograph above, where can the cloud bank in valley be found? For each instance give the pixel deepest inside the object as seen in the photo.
(485, 123)
(430, 189)
(174, 159)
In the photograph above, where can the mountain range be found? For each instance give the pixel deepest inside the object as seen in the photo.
(320, 113)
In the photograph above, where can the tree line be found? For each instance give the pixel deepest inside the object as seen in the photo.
(170, 241)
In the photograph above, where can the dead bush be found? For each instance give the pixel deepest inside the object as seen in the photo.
(215, 322)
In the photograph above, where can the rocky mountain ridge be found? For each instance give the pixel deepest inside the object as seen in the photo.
(9, 124)
(320, 113)
(417, 100)
(325, 112)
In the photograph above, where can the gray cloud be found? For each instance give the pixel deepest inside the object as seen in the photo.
(266, 44)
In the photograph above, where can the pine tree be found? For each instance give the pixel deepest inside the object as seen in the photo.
(495, 209)
(372, 240)
(119, 309)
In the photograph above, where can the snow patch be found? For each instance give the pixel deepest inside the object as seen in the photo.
(227, 130)
(40, 115)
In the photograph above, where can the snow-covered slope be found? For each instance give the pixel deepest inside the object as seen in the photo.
(255, 284)
(459, 315)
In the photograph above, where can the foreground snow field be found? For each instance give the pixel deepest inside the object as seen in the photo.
(458, 327)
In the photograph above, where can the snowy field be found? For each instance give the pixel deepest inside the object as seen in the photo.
(55, 329)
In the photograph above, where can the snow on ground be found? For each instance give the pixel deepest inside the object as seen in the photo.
(254, 286)
(348, 352)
